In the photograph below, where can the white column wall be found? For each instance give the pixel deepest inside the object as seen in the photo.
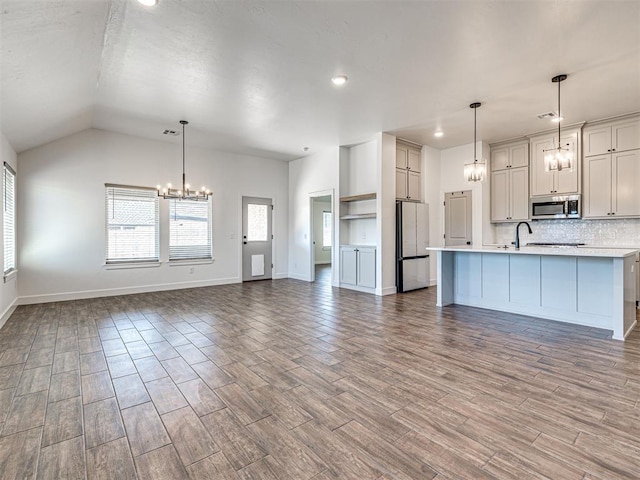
(61, 213)
(315, 173)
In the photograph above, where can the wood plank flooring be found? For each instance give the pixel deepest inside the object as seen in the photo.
(290, 380)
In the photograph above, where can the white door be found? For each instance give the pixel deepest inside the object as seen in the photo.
(348, 265)
(256, 238)
(457, 218)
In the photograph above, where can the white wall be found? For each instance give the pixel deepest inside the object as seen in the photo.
(312, 175)
(322, 255)
(386, 221)
(8, 289)
(61, 208)
(431, 158)
(452, 179)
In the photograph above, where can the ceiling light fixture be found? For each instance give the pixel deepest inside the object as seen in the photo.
(148, 3)
(185, 193)
(475, 171)
(339, 79)
(438, 134)
(558, 158)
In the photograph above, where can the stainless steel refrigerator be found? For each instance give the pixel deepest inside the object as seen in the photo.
(412, 238)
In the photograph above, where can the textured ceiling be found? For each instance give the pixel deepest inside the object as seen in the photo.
(254, 77)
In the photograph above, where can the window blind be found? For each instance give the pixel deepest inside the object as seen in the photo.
(326, 229)
(9, 218)
(189, 229)
(132, 224)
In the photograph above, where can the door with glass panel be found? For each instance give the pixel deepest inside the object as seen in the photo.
(256, 238)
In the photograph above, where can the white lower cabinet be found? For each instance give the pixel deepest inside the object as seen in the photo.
(358, 266)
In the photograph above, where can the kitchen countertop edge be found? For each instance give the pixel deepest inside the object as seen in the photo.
(549, 251)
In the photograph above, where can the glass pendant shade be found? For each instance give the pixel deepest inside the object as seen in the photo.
(558, 159)
(476, 170)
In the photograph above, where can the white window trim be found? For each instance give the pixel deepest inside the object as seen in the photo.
(193, 261)
(129, 265)
(10, 275)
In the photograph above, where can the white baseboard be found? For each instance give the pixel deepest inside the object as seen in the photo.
(7, 312)
(299, 276)
(278, 276)
(433, 282)
(388, 291)
(328, 262)
(112, 292)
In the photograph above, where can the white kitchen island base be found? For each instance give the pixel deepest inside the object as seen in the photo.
(592, 287)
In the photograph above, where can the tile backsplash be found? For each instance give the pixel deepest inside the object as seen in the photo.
(601, 233)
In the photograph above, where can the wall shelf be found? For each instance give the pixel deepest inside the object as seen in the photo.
(358, 198)
(355, 216)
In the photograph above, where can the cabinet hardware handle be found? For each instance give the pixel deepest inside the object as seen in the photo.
(613, 213)
(613, 149)
(609, 150)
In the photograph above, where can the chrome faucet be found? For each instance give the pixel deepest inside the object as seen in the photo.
(517, 242)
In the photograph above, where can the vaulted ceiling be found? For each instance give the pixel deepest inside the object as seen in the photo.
(254, 76)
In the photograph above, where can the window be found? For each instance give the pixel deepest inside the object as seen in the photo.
(257, 222)
(189, 229)
(9, 221)
(326, 229)
(132, 224)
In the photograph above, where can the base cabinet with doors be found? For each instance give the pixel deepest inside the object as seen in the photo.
(408, 172)
(562, 182)
(510, 182)
(612, 169)
(358, 266)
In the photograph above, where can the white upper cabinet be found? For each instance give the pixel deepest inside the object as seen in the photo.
(612, 169)
(565, 182)
(408, 176)
(510, 182)
(619, 136)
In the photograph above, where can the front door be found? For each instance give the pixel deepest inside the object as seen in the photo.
(256, 238)
(457, 218)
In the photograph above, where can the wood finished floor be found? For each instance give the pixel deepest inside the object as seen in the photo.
(290, 380)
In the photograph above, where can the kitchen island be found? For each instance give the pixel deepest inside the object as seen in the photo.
(595, 287)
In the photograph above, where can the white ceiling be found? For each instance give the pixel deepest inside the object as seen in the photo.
(254, 76)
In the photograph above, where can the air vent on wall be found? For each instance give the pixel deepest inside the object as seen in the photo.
(549, 115)
(173, 133)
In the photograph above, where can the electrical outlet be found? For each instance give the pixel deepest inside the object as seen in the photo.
(191, 269)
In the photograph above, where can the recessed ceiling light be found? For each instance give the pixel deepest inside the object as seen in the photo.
(339, 79)
(557, 119)
(438, 134)
(148, 3)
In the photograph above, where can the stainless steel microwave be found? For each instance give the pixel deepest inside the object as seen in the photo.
(555, 206)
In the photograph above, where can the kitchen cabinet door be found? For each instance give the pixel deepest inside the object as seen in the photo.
(519, 194)
(596, 140)
(541, 181)
(414, 160)
(625, 136)
(500, 196)
(367, 267)
(413, 184)
(597, 186)
(402, 156)
(566, 181)
(500, 158)
(348, 265)
(625, 190)
(401, 184)
(519, 155)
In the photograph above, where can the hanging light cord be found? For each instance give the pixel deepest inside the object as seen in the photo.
(475, 115)
(559, 117)
(184, 175)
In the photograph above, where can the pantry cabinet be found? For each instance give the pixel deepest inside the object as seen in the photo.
(612, 169)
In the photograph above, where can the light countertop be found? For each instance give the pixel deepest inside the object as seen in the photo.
(558, 251)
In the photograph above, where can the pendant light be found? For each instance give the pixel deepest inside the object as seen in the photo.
(558, 158)
(184, 193)
(475, 171)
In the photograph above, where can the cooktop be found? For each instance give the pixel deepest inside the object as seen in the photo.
(559, 244)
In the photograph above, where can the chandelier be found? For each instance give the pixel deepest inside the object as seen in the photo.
(184, 193)
(475, 171)
(558, 158)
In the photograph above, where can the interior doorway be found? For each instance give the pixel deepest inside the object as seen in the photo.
(457, 218)
(257, 239)
(322, 238)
